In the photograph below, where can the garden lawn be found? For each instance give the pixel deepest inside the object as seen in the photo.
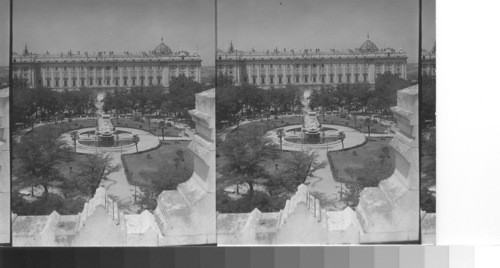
(66, 126)
(152, 160)
(273, 123)
(269, 165)
(63, 167)
(349, 122)
(344, 159)
(144, 124)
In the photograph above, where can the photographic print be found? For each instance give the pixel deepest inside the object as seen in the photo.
(317, 122)
(114, 116)
(428, 122)
(4, 124)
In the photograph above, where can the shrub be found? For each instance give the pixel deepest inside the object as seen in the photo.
(148, 156)
(126, 125)
(140, 126)
(354, 153)
(137, 117)
(70, 120)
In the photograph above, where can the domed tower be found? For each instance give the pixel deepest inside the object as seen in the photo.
(162, 49)
(368, 46)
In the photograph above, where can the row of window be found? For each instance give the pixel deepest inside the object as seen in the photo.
(314, 65)
(305, 79)
(107, 68)
(101, 82)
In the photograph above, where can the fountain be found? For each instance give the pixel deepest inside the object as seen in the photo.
(105, 131)
(311, 128)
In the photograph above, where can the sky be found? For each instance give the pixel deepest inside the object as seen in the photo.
(323, 24)
(4, 32)
(133, 25)
(115, 25)
(428, 24)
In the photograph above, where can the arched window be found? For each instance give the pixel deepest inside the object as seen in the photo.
(254, 79)
(159, 80)
(133, 81)
(263, 79)
(297, 79)
(91, 81)
(271, 78)
(365, 77)
(125, 81)
(142, 80)
(99, 81)
(356, 78)
(82, 82)
(339, 76)
(288, 79)
(331, 78)
(323, 79)
(280, 79)
(348, 78)
(57, 81)
(108, 81)
(65, 81)
(306, 79)
(73, 81)
(117, 81)
(314, 78)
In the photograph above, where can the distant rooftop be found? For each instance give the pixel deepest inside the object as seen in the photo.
(160, 51)
(368, 47)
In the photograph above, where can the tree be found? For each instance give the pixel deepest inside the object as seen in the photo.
(385, 94)
(342, 137)
(39, 152)
(369, 123)
(428, 108)
(94, 169)
(281, 134)
(167, 177)
(245, 150)
(301, 166)
(136, 139)
(161, 125)
(74, 137)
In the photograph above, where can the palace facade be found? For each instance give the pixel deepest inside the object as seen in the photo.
(309, 67)
(429, 61)
(105, 69)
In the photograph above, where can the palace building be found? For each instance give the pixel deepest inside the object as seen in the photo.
(310, 67)
(429, 61)
(105, 69)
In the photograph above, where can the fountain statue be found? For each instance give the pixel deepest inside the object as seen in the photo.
(105, 131)
(311, 127)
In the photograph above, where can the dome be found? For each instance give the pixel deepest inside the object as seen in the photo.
(162, 49)
(368, 46)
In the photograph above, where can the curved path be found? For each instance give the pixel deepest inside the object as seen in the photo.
(353, 138)
(117, 185)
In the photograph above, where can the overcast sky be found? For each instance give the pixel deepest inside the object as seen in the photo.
(4, 32)
(323, 24)
(132, 25)
(428, 23)
(117, 25)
